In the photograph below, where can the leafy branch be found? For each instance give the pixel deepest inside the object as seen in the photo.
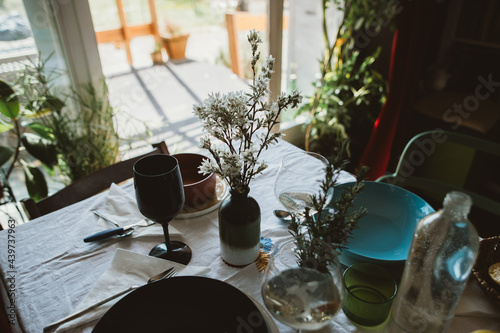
(243, 122)
(333, 224)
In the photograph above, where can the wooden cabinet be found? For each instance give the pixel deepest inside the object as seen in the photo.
(461, 84)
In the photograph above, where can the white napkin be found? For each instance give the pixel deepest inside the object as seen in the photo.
(122, 208)
(475, 303)
(127, 269)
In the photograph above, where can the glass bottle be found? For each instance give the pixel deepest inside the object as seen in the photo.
(442, 253)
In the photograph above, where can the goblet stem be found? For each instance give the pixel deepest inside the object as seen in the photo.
(166, 234)
(171, 250)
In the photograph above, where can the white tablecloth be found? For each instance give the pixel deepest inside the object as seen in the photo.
(54, 269)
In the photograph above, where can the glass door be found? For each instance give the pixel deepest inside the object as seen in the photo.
(60, 33)
(52, 29)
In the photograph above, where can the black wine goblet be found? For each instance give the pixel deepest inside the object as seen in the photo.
(160, 197)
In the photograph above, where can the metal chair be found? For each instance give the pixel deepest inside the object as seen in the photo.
(436, 162)
(86, 187)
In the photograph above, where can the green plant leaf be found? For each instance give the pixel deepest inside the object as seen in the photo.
(5, 126)
(53, 103)
(35, 182)
(9, 102)
(42, 130)
(41, 148)
(5, 154)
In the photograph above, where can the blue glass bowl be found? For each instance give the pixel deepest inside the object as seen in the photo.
(386, 231)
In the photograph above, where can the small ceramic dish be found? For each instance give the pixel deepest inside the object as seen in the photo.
(221, 192)
(198, 188)
(489, 254)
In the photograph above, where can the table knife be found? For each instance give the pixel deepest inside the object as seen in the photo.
(114, 231)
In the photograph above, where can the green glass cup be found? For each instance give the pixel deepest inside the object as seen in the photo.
(370, 290)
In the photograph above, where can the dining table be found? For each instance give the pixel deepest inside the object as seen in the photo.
(48, 271)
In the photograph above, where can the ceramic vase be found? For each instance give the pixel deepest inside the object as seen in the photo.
(239, 228)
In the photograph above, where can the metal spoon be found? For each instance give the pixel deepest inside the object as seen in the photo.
(282, 215)
(125, 234)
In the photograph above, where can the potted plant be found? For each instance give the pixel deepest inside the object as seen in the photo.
(34, 120)
(86, 141)
(350, 93)
(175, 41)
(239, 129)
(30, 134)
(156, 55)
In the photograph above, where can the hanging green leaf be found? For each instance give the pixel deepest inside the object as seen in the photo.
(35, 182)
(42, 149)
(5, 126)
(9, 102)
(53, 103)
(5, 154)
(41, 129)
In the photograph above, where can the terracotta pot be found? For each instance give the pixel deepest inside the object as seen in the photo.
(198, 188)
(157, 58)
(175, 46)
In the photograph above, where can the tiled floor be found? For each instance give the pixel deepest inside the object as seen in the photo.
(162, 97)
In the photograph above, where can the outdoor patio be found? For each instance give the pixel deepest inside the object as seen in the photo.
(161, 98)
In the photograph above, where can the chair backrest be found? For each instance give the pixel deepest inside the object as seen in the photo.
(126, 32)
(436, 162)
(243, 21)
(87, 186)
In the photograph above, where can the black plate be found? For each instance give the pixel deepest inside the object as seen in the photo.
(183, 304)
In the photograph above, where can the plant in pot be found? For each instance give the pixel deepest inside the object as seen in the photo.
(241, 122)
(175, 41)
(26, 132)
(82, 129)
(86, 141)
(156, 55)
(74, 144)
(350, 93)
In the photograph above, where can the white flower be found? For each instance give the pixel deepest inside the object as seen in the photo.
(208, 166)
(242, 121)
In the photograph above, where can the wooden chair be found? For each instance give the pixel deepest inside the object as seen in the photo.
(86, 187)
(437, 162)
(240, 21)
(126, 32)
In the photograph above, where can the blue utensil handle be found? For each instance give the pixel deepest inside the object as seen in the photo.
(104, 234)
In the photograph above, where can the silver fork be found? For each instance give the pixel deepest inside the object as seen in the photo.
(128, 231)
(171, 272)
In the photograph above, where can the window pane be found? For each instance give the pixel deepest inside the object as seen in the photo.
(26, 28)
